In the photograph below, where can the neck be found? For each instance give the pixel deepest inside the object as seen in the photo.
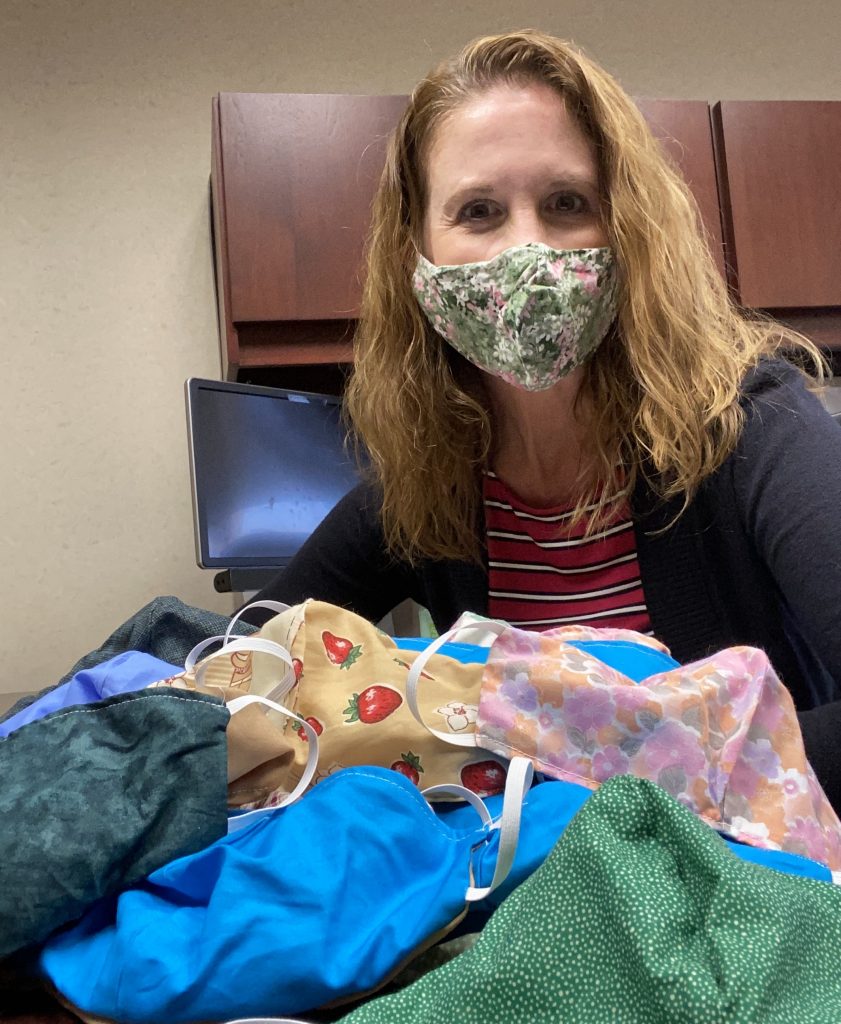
(541, 445)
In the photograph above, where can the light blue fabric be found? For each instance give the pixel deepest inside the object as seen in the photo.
(308, 904)
(124, 673)
(547, 810)
(467, 654)
(780, 860)
(637, 661)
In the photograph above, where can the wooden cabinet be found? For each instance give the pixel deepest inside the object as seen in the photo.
(683, 127)
(292, 181)
(779, 169)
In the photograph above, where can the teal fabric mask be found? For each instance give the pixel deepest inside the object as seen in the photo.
(530, 315)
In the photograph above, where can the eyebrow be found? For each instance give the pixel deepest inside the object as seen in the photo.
(454, 202)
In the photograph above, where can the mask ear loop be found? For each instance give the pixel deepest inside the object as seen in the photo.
(244, 643)
(275, 606)
(263, 646)
(520, 769)
(200, 648)
(463, 793)
(267, 1020)
(517, 784)
(485, 632)
(237, 705)
(192, 657)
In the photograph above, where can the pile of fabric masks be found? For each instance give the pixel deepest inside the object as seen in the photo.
(283, 822)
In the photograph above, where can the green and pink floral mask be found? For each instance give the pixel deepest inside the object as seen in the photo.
(530, 315)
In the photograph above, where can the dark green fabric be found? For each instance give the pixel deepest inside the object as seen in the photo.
(640, 914)
(165, 628)
(95, 798)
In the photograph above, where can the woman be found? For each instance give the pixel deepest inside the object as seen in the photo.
(566, 418)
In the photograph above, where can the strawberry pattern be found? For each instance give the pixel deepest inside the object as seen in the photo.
(373, 705)
(340, 651)
(351, 688)
(410, 766)
(721, 735)
(484, 777)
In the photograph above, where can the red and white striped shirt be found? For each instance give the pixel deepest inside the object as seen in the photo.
(542, 574)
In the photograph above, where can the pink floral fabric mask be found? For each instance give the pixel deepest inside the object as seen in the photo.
(530, 315)
(721, 734)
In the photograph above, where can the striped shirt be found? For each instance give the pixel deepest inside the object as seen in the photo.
(542, 574)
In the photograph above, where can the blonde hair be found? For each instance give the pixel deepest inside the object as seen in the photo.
(664, 384)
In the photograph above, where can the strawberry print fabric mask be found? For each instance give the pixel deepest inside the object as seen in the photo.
(347, 681)
(530, 315)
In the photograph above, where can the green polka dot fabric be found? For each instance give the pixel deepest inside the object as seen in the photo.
(640, 914)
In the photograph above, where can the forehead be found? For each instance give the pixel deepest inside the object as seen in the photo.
(507, 130)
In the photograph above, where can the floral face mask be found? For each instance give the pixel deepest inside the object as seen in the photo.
(530, 315)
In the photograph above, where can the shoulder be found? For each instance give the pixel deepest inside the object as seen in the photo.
(361, 505)
(787, 435)
(772, 379)
(366, 495)
(775, 396)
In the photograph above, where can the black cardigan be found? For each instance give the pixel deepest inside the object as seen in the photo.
(755, 558)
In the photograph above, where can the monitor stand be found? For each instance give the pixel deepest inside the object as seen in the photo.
(238, 580)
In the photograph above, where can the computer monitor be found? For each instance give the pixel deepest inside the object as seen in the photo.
(266, 465)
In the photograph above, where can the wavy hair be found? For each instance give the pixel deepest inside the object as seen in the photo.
(665, 382)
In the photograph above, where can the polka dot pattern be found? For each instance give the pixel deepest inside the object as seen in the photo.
(640, 914)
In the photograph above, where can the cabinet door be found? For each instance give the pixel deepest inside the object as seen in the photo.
(292, 180)
(780, 173)
(684, 129)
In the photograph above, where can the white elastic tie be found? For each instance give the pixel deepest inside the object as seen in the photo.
(487, 631)
(201, 647)
(520, 773)
(267, 1020)
(275, 606)
(475, 801)
(237, 705)
(257, 644)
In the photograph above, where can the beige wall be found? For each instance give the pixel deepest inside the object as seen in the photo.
(106, 299)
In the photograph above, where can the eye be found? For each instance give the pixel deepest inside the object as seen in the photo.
(568, 202)
(477, 211)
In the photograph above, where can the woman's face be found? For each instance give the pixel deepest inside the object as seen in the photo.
(507, 168)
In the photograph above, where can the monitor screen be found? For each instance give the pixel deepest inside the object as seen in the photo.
(267, 465)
